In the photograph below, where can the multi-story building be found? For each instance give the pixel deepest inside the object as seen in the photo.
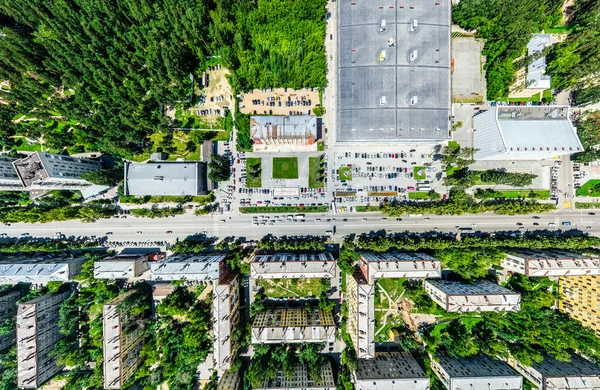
(172, 178)
(293, 325)
(9, 180)
(123, 340)
(477, 373)
(226, 313)
(551, 262)
(293, 266)
(399, 265)
(479, 296)
(121, 266)
(536, 71)
(19, 269)
(390, 371)
(579, 373)
(230, 380)
(280, 129)
(189, 267)
(524, 133)
(45, 171)
(8, 311)
(37, 333)
(361, 314)
(302, 380)
(580, 298)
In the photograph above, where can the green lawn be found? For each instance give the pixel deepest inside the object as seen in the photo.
(591, 188)
(453, 143)
(419, 173)
(393, 287)
(285, 167)
(316, 172)
(512, 194)
(253, 172)
(291, 288)
(415, 195)
(345, 173)
(320, 146)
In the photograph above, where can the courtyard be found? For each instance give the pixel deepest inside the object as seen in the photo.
(285, 168)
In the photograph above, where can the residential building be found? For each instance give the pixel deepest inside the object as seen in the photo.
(361, 314)
(280, 129)
(579, 373)
(524, 133)
(166, 178)
(46, 171)
(478, 296)
(551, 262)
(230, 380)
(8, 311)
(189, 267)
(394, 71)
(226, 314)
(9, 180)
(302, 380)
(123, 266)
(580, 298)
(477, 373)
(536, 71)
(390, 371)
(37, 334)
(123, 340)
(293, 266)
(293, 325)
(399, 265)
(43, 269)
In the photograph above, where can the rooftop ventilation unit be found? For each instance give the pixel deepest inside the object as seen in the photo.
(413, 100)
(414, 25)
(413, 55)
(382, 25)
(382, 101)
(391, 42)
(159, 177)
(382, 56)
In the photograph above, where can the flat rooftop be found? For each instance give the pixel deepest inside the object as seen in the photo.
(394, 85)
(476, 366)
(281, 127)
(568, 371)
(389, 365)
(396, 256)
(187, 267)
(292, 318)
(477, 288)
(165, 178)
(292, 265)
(302, 380)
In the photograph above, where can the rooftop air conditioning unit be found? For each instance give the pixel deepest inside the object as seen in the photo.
(413, 100)
(382, 55)
(382, 101)
(382, 25)
(413, 55)
(159, 177)
(391, 42)
(414, 25)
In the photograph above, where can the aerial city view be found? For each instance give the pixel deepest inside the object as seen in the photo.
(300, 194)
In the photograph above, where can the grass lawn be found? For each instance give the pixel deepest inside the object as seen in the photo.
(415, 195)
(513, 194)
(253, 172)
(393, 287)
(345, 173)
(285, 167)
(320, 146)
(316, 172)
(591, 188)
(419, 173)
(180, 144)
(291, 288)
(453, 143)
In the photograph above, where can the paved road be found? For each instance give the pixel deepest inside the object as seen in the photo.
(241, 225)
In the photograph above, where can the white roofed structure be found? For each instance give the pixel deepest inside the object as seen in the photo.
(172, 178)
(302, 380)
(524, 133)
(464, 297)
(476, 373)
(361, 314)
(293, 266)
(536, 77)
(390, 371)
(399, 265)
(120, 267)
(191, 267)
(18, 269)
(551, 262)
(280, 129)
(226, 314)
(297, 325)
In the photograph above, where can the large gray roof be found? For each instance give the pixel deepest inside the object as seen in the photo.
(376, 97)
(165, 178)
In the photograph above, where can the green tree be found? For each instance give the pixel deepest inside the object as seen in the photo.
(104, 177)
(219, 168)
(470, 264)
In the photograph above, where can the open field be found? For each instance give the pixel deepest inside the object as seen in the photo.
(414, 195)
(290, 288)
(512, 194)
(285, 167)
(253, 172)
(591, 188)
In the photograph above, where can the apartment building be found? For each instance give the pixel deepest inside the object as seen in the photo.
(230, 380)
(399, 265)
(226, 314)
(551, 262)
(477, 373)
(580, 298)
(189, 267)
(20, 269)
(8, 311)
(293, 325)
(579, 373)
(121, 267)
(302, 380)
(9, 180)
(390, 371)
(37, 333)
(123, 340)
(293, 266)
(455, 296)
(361, 314)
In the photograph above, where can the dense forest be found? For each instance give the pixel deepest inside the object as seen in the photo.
(96, 73)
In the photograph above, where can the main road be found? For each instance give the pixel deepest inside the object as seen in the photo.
(179, 227)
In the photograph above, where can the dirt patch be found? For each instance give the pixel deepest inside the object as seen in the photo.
(273, 101)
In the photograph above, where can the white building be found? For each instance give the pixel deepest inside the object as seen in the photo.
(479, 296)
(477, 373)
(293, 266)
(390, 371)
(551, 262)
(226, 314)
(37, 334)
(524, 133)
(554, 374)
(302, 380)
(281, 129)
(172, 178)
(275, 326)
(189, 267)
(16, 269)
(399, 265)
(120, 267)
(536, 71)
(361, 314)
